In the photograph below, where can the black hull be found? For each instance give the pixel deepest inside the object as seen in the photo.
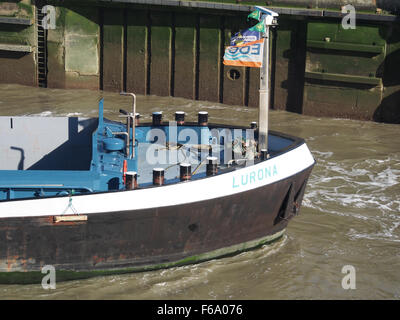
(147, 239)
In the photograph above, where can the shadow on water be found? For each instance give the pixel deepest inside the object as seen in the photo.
(389, 109)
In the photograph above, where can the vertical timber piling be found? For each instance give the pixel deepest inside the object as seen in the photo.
(317, 67)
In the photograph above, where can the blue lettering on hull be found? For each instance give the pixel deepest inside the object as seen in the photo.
(254, 176)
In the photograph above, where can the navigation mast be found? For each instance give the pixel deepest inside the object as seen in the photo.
(269, 18)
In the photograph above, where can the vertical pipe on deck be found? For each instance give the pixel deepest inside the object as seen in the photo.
(264, 94)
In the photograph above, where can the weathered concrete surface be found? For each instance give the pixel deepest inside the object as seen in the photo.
(137, 48)
(161, 53)
(73, 49)
(209, 58)
(288, 57)
(17, 9)
(15, 48)
(185, 56)
(79, 48)
(56, 57)
(112, 63)
(347, 96)
(17, 67)
(81, 40)
(8, 9)
(233, 78)
(17, 40)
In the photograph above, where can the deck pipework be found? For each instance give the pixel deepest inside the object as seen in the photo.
(185, 171)
(157, 117)
(203, 118)
(212, 166)
(130, 122)
(180, 117)
(158, 176)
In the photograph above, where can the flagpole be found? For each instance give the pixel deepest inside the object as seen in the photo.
(264, 94)
(267, 18)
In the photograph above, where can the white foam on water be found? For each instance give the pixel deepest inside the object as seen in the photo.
(321, 154)
(213, 107)
(367, 191)
(42, 114)
(385, 236)
(73, 114)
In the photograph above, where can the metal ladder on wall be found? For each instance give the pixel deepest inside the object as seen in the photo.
(41, 47)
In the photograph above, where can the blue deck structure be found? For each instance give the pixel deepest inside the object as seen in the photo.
(66, 156)
(88, 157)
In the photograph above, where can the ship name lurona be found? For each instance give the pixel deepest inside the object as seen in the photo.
(254, 176)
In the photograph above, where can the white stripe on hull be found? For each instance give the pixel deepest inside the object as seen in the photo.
(241, 180)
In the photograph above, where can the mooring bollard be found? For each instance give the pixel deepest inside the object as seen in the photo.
(157, 117)
(131, 180)
(185, 171)
(264, 154)
(212, 166)
(180, 117)
(158, 176)
(203, 118)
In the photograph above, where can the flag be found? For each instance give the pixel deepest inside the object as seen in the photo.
(255, 15)
(244, 36)
(245, 55)
(260, 27)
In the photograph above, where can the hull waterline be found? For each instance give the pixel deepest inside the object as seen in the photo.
(146, 239)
